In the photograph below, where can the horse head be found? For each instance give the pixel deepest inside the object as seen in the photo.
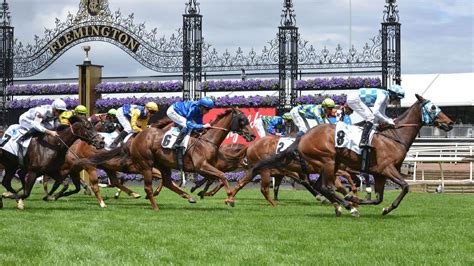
(241, 125)
(84, 130)
(432, 115)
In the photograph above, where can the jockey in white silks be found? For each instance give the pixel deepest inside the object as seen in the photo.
(360, 101)
(41, 119)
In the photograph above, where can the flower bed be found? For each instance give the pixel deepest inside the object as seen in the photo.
(210, 86)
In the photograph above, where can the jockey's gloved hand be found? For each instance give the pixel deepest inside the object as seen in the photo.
(391, 122)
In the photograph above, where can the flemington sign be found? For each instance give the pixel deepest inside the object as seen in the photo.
(94, 31)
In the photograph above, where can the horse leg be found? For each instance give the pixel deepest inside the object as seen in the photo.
(168, 182)
(266, 179)
(208, 170)
(148, 186)
(203, 192)
(242, 182)
(45, 186)
(76, 180)
(214, 191)
(157, 175)
(115, 182)
(379, 191)
(199, 184)
(84, 185)
(30, 181)
(94, 182)
(276, 187)
(55, 186)
(7, 183)
(397, 178)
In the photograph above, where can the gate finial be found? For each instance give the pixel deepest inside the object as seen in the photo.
(5, 14)
(192, 8)
(288, 18)
(391, 12)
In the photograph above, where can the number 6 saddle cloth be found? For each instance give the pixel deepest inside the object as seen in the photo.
(348, 136)
(170, 138)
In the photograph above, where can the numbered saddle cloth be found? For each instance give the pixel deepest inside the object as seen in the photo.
(283, 144)
(348, 136)
(8, 141)
(170, 138)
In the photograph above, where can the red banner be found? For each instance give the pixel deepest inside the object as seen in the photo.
(251, 113)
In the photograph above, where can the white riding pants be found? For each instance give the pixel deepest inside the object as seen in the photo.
(124, 121)
(177, 118)
(261, 131)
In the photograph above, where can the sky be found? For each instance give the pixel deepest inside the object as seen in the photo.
(437, 35)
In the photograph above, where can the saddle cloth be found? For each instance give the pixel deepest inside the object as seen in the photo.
(283, 144)
(8, 141)
(170, 138)
(110, 137)
(348, 136)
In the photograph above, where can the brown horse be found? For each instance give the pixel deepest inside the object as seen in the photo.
(262, 149)
(200, 156)
(46, 154)
(390, 148)
(119, 162)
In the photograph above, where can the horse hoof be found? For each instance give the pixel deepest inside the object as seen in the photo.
(355, 213)
(230, 203)
(191, 200)
(201, 194)
(135, 195)
(102, 205)
(385, 211)
(338, 211)
(20, 204)
(193, 189)
(8, 195)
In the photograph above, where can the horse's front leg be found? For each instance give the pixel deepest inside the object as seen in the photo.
(114, 181)
(208, 170)
(379, 191)
(7, 183)
(168, 182)
(29, 182)
(266, 179)
(393, 174)
(276, 187)
(203, 193)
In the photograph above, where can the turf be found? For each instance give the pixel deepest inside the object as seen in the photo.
(426, 229)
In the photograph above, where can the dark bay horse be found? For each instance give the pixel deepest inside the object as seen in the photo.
(200, 156)
(46, 154)
(390, 148)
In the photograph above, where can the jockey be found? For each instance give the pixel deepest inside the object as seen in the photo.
(41, 119)
(320, 113)
(378, 99)
(273, 125)
(80, 110)
(133, 118)
(110, 116)
(188, 116)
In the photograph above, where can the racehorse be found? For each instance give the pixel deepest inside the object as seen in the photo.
(46, 154)
(200, 156)
(266, 147)
(119, 162)
(390, 146)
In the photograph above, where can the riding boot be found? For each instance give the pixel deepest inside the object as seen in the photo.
(364, 142)
(26, 136)
(179, 157)
(119, 139)
(180, 138)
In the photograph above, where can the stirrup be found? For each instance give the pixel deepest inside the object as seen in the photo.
(366, 145)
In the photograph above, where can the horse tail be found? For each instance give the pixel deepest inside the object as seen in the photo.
(101, 157)
(280, 160)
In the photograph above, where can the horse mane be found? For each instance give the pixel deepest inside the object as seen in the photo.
(162, 123)
(221, 115)
(61, 127)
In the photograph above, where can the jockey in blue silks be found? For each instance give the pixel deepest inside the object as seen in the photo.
(273, 125)
(188, 116)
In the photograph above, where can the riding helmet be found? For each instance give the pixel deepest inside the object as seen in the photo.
(328, 103)
(59, 104)
(80, 109)
(152, 106)
(206, 102)
(398, 91)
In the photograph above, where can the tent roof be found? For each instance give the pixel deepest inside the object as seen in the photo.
(442, 89)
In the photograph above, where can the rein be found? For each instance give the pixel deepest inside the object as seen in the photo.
(220, 128)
